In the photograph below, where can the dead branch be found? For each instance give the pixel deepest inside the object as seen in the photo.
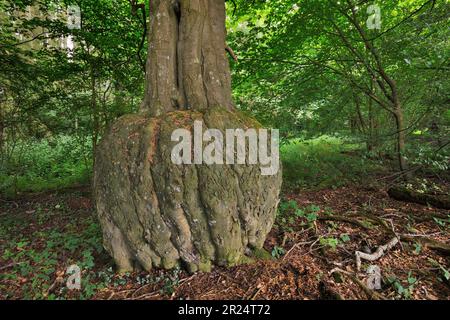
(381, 251)
(428, 242)
(425, 241)
(10, 265)
(231, 52)
(295, 246)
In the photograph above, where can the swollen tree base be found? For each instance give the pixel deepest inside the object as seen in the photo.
(158, 214)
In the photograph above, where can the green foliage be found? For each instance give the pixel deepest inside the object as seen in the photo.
(404, 291)
(52, 98)
(38, 165)
(344, 237)
(290, 216)
(445, 272)
(330, 242)
(36, 255)
(322, 163)
(277, 252)
(304, 68)
(170, 282)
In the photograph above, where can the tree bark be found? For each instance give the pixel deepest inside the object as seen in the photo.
(2, 127)
(95, 113)
(400, 139)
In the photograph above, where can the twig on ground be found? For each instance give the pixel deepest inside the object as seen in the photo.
(10, 265)
(8, 201)
(295, 246)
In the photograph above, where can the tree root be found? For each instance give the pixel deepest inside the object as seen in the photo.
(344, 219)
(371, 294)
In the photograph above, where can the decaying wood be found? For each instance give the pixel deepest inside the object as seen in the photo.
(381, 251)
(404, 194)
(426, 241)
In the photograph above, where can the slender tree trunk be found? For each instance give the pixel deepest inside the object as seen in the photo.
(398, 115)
(401, 148)
(2, 120)
(2, 127)
(361, 124)
(95, 115)
(372, 140)
(2, 133)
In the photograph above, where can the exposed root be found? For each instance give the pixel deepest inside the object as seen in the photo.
(371, 294)
(344, 219)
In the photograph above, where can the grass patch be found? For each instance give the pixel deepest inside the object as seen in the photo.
(323, 162)
(40, 165)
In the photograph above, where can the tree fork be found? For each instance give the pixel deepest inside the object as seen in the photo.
(187, 67)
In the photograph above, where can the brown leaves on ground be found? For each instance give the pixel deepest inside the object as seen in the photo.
(410, 270)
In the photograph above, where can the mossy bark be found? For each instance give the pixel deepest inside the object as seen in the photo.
(158, 214)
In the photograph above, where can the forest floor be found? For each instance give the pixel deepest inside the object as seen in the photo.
(313, 245)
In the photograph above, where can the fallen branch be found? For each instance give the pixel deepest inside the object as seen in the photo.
(343, 219)
(10, 265)
(404, 194)
(428, 242)
(295, 246)
(381, 251)
(425, 241)
(9, 201)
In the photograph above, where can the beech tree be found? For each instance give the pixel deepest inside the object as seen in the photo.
(156, 213)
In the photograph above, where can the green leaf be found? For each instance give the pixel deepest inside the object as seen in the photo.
(345, 237)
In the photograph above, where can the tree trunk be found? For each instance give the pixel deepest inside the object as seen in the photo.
(401, 147)
(2, 127)
(155, 213)
(372, 140)
(187, 65)
(94, 110)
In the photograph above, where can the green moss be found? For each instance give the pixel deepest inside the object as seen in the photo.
(246, 260)
(234, 258)
(204, 266)
(261, 254)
